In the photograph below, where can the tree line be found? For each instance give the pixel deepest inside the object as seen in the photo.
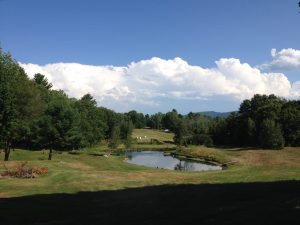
(265, 121)
(34, 116)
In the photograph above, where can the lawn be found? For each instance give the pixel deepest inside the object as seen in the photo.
(70, 173)
(258, 187)
(148, 134)
(153, 139)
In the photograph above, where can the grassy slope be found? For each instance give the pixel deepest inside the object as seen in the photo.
(73, 173)
(164, 138)
(155, 134)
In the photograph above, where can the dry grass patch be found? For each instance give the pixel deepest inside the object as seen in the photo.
(77, 165)
(288, 156)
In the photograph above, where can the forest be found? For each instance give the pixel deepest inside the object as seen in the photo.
(35, 116)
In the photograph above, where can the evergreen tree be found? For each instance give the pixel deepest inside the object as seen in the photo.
(41, 80)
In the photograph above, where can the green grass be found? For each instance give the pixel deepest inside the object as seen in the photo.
(148, 134)
(156, 134)
(206, 154)
(70, 173)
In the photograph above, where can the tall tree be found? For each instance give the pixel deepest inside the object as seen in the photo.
(90, 124)
(270, 135)
(20, 103)
(155, 121)
(115, 138)
(126, 129)
(290, 120)
(181, 133)
(40, 79)
(138, 119)
(170, 120)
(55, 125)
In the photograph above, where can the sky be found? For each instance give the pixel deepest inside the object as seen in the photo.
(156, 55)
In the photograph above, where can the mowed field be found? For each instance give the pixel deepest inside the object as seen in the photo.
(148, 134)
(152, 139)
(258, 187)
(69, 173)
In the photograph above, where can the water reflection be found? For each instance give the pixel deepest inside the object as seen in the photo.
(183, 165)
(157, 159)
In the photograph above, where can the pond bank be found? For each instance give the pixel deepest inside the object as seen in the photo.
(201, 159)
(161, 160)
(184, 155)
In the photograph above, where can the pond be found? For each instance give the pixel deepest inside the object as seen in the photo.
(157, 159)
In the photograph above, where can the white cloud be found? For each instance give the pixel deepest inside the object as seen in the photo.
(156, 81)
(77, 79)
(295, 92)
(286, 59)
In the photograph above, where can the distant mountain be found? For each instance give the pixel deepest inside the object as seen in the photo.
(216, 114)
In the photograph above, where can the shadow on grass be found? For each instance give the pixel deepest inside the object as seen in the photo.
(246, 149)
(243, 203)
(240, 149)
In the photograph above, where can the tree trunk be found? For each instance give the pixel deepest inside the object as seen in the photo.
(50, 154)
(6, 151)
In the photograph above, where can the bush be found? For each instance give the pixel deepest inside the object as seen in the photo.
(23, 171)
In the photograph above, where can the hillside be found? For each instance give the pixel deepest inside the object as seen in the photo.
(216, 114)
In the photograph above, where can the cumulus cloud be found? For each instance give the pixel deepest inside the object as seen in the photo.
(286, 59)
(155, 81)
(295, 92)
(77, 79)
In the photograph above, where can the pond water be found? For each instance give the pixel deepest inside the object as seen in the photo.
(157, 159)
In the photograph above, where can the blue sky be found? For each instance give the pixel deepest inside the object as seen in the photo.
(119, 32)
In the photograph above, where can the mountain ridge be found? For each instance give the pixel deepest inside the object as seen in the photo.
(215, 114)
